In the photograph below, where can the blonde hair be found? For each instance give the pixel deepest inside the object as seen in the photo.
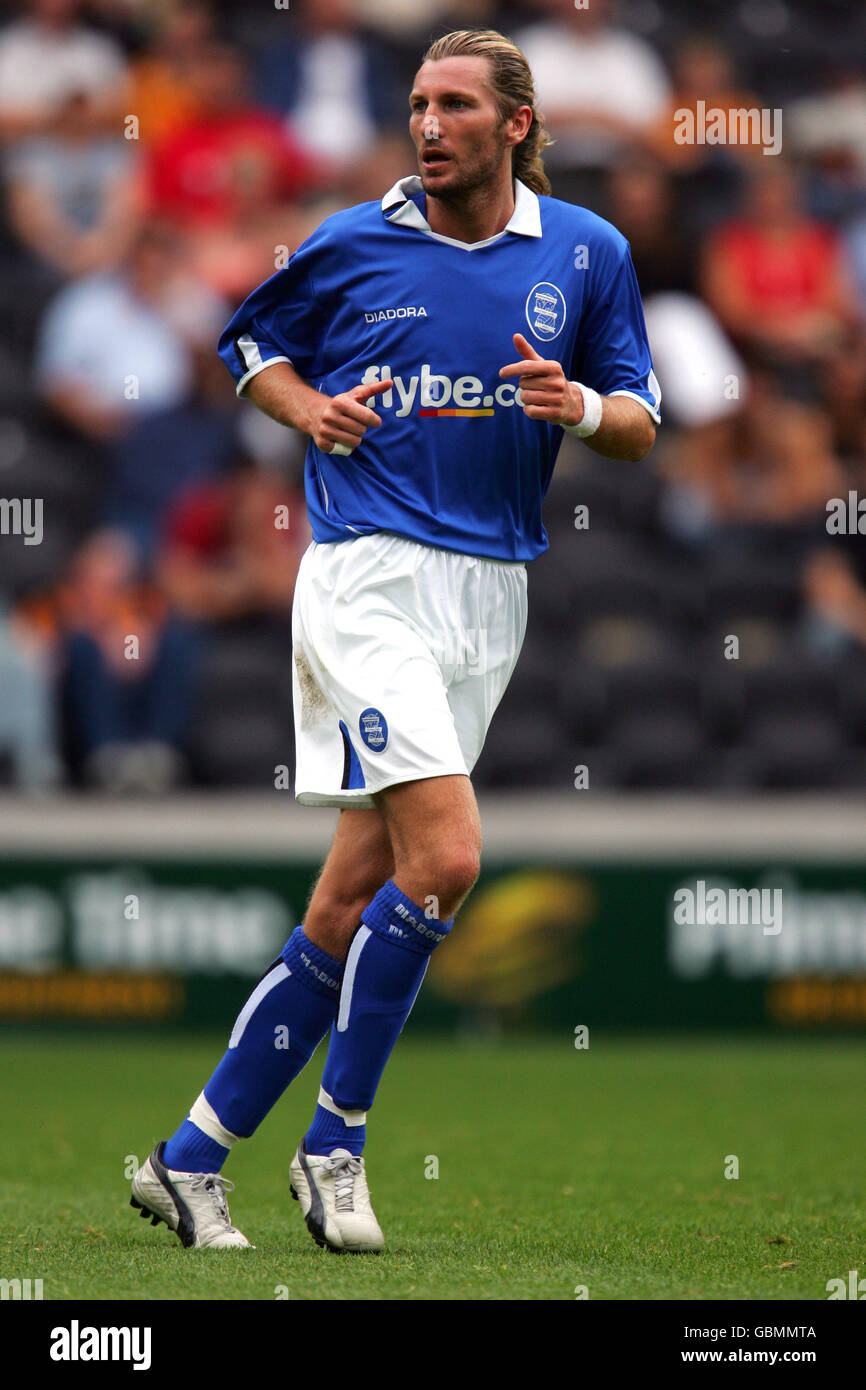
(511, 81)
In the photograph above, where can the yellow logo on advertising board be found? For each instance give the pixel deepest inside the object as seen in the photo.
(514, 940)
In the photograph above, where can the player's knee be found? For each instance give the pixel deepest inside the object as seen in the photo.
(348, 904)
(333, 918)
(463, 874)
(343, 891)
(451, 874)
(464, 868)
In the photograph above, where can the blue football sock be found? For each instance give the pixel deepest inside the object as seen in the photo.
(275, 1035)
(386, 963)
(190, 1150)
(333, 1128)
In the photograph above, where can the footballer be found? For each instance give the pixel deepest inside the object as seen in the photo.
(434, 346)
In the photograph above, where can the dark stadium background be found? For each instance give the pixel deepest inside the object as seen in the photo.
(690, 703)
(202, 143)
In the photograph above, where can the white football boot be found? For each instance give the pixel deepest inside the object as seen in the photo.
(334, 1197)
(193, 1204)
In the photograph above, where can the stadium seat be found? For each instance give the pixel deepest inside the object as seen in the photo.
(795, 686)
(524, 752)
(243, 728)
(852, 698)
(741, 587)
(662, 749)
(789, 751)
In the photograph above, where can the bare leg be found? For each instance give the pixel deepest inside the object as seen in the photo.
(435, 834)
(434, 838)
(359, 862)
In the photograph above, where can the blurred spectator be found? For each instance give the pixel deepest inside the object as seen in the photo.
(707, 177)
(393, 158)
(112, 346)
(828, 128)
(332, 84)
(778, 278)
(127, 669)
(167, 452)
(407, 22)
(703, 72)
(832, 122)
(402, 30)
(46, 57)
(843, 383)
(226, 179)
(232, 547)
(736, 479)
(74, 199)
(143, 433)
(834, 586)
(704, 377)
(229, 563)
(789, 469)
(641, 203)
(855, 247)
(28, 738)
(601, 88)
(162, 91)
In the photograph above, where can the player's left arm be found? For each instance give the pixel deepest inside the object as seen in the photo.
(626, 429)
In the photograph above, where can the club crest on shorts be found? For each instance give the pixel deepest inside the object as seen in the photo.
(545, 310)
(374, 729)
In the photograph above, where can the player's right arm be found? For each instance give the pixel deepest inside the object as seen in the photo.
(343, 419)
(272, 346)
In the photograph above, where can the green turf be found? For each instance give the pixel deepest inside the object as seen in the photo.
(557, 1168)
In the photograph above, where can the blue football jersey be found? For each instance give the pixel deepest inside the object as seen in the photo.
(375, 294)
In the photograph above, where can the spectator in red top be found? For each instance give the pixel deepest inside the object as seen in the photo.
(227, 180)
(778, 279)
(233, 547)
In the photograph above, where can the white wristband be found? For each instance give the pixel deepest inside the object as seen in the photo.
(592, 409)
(340, 449)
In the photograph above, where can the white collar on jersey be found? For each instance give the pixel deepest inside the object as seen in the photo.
(397, 206)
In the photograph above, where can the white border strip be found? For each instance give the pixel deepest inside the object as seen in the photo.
(209, 1122)
(254, 371)
(274, 977)
(359, 941)
(577, 827)
(351, 1118)
(653, 414)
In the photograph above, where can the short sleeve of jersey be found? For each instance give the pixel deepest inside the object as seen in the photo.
(612, 354)
(281, 321)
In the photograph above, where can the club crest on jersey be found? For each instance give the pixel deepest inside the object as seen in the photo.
(545, 311)
(374, 729)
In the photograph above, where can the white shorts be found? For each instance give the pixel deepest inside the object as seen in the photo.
(401, 653)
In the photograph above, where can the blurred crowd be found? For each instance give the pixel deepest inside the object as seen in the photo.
(160, 158)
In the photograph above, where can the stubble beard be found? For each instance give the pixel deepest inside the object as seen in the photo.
(473, 184)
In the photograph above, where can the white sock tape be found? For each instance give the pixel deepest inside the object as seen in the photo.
(349, 1117)
(204, 1115)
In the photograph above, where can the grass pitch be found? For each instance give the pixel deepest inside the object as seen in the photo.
(557, 1169)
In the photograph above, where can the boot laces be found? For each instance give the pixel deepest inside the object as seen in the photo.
(216, 1187)
(345, 1170)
